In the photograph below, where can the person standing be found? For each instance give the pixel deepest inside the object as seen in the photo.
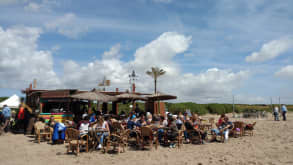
(6, 114)
(276, 113)
(284, 111)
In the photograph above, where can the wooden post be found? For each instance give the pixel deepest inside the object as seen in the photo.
(115, 107)
(89, 107)
(41, 107)
(116, 104)
(105, 108)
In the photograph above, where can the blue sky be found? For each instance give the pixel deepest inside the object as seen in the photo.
(211, 49)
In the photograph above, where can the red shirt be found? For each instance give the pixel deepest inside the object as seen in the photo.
(20, 115)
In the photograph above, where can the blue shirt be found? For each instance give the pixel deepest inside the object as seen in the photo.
(284, 108)
(131, 124)
(6, 112)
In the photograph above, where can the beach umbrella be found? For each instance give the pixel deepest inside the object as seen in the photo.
(94, 96)
(160, 96)
(130, 96)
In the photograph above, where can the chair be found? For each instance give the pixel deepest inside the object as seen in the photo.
(41, 131)
(117, 138)
(178, 139)
(238, 129)
(248, 129)
(194, 136)
(133, 137)
(75, 140)
(147, 136)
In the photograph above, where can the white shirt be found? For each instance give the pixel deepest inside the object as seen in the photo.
(276, 110)
(165, 123)
(103, 126)
(84, 128)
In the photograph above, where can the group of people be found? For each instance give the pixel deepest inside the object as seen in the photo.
(190, 125)
(167, 126)
(276, 112)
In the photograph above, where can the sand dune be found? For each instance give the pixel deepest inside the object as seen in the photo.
(271, 144)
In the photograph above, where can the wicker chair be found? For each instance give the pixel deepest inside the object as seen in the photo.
(75, 140)
(194, 136)
(148, 137)
(238, 125)
(117, 138)
(42, 132)
(178, 139)
(248, 129)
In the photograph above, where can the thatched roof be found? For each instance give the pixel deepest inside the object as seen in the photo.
(130, 96)
(161, 96)
(94, 96)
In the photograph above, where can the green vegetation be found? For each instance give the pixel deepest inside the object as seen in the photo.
(200, 108)
(3, 98)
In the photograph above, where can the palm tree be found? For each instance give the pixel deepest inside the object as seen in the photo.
(155, 73)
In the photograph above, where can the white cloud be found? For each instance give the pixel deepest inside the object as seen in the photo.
(8, 2)
(21, 62)
(67, 25)
(270, 50)
(34, 7)
(162, 1)
(161, 51)
(44, 5)
(286, 72)
(209, 85)
(212, 85)
(113, 53)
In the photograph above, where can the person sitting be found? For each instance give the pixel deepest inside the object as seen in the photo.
(179, 121)
(59, 133)
(172, 132)
(132, 124)
(223, 129)
(142, 121)
(102, 125)
(220, 121)
(149, 118)
(161, 123)
(83, 125)
(196, 123)
(188, 128)
(92, 118)
(51, 122)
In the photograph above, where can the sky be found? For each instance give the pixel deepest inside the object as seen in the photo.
(211, 50)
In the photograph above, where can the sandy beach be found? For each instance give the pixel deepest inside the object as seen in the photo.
(272, 143)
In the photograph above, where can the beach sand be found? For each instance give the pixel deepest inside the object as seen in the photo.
(272, 143)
